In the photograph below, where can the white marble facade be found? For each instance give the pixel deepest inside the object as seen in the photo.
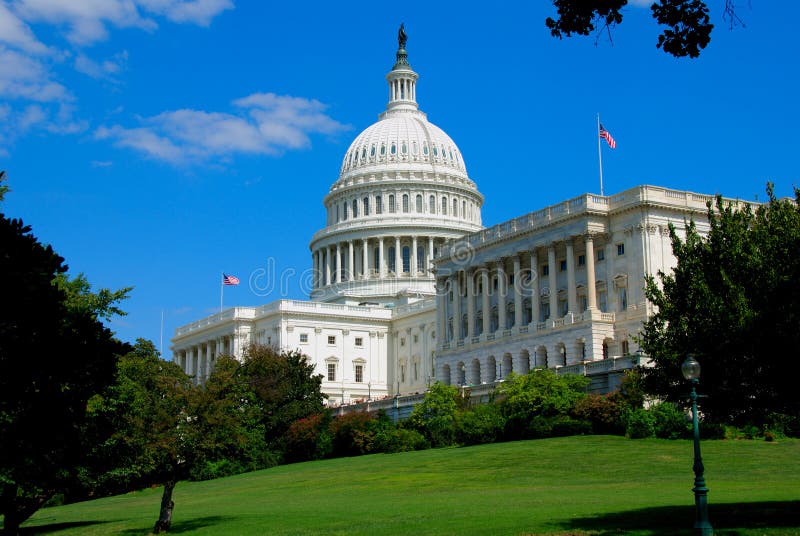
(410, 288)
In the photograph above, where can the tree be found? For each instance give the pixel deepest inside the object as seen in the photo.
(687, 25)
(154, 436)
(435, 416)
(732, 301)
(53, 358)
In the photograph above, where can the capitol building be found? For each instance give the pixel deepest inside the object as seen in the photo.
(410, 288)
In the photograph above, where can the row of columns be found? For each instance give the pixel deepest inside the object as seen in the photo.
(331, 265)
(453, 282)
(198, 360)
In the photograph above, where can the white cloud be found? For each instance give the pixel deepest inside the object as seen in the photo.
(270, 125)
(15, 33)
(199, 12)
(105, 70)
(25, 77)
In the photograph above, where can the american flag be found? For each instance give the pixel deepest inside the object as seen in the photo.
(606, 135)
(229, 279)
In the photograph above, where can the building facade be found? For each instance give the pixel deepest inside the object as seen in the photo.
(409, 287)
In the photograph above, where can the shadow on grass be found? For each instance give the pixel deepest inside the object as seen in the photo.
(727, 519)
(55, 527)
(182, 527)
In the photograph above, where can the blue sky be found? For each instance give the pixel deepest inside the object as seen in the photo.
(156, 143)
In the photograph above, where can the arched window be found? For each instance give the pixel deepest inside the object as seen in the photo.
(419, 203)
(392, 207)
(425, 148)
(344, 211)
(355, 208)
(405, 202)
(337, 213)
(365, 204)
(455, 208)
(406, 260)
(432, 204)
(393, 149)
(444, 206)
(378, 205)
(464, 209)
(376, 254)
(392, 259)
(372, 151)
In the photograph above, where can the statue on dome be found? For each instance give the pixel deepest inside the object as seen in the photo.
(401, 36)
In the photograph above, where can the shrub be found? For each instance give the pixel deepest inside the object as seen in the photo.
(353, 434)
(308, 438)
(391, 440)
(670, 422)
(482, 424)
(640, 424)
(435, 416)
(567, 426)
(712, 430)
(606, 414)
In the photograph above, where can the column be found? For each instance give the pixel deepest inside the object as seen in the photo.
(365, 259)
(517, 292)
(381, 258)
(591, 293)
(470, 304)
(501, 296)
(487, 308)
(441, 303)
(328, 267)
(209, 356)
(572, 297)
(552, 281)
(318, 267)
(351, 268)
(413, 256)
(456, 306)
(430, 252)
(535, 288)
(398, 258)
(339, 262)
(190, 361)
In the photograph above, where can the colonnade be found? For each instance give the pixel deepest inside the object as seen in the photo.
(381, 257)
(198, 360)
(525, 294)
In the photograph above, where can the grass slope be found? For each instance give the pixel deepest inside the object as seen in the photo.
(579, 485)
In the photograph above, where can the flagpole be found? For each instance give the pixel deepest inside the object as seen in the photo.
(599, 153)
(221, 286)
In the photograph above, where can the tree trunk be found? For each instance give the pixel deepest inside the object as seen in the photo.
(165, 517)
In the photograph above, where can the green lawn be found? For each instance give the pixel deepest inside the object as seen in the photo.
(579, 486)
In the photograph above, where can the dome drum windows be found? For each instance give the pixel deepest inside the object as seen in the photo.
(405, 203)
(419, 204)
(392, 207)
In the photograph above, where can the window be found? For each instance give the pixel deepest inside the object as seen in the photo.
(331, 372)
(620, 249)
(402, 341)
(406, 259)
(625, 348)
(420, 259)
(403, 373)
(601, 254)
(372, 151)
(405, 202)
(581, 260)
(544, 309)
(432, 204)
(444, 206)
(344, 209)
(562, 265)
(393, 149)
(416, 375)
(455, 207)
(355, 208)
(377, 259)
(584, 303)
(419, 204)
(425, 148)
(359, 342)
(391, 204)
(378, 205)
(383, 150)
(331, 339)
(304, 338)
(464, 209)
(359, 373)
(623, 299)
(545, 269)
(416, 339)
(365, 203)
(392, 263)
(337, 213)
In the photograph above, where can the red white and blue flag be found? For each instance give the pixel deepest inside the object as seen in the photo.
(606, 135)
(229, 279)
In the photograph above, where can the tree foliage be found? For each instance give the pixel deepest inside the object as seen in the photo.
(686, 24)
(53, 359)
(733, 301)
(435, 416)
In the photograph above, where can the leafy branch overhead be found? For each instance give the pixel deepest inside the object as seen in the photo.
(686, 24)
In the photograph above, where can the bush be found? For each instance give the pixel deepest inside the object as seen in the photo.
(567, 426)
(435, 417)
(353, 434)
(308, 438)
(670, 422)
(641, 424)
(391, 440)
(482, 424)
(712, 430)
(606, 414)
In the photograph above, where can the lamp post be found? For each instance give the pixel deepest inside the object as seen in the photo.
(369, 391)
(691, 371)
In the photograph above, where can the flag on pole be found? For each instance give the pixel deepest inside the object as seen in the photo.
(229, 279)
(606, 135)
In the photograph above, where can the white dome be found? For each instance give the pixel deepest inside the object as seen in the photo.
(403, 137)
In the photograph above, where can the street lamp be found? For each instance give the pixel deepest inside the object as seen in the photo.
(691, 371)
